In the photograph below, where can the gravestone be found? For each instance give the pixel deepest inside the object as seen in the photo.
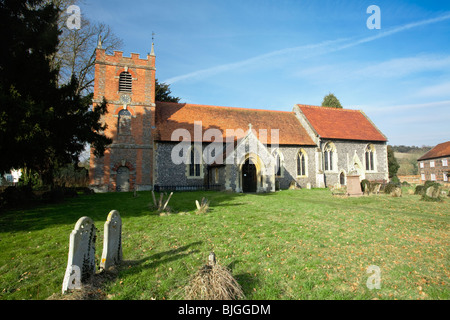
(81, 258)
(112, 242)
(433, 191)
(354, 186)
(396, 192)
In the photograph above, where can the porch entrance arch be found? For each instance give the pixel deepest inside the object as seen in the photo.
(249, 176)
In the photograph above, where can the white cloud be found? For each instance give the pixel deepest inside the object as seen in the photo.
(307, 50)
(439, 90)
(428, 107)
(405, 66)
(258, 59)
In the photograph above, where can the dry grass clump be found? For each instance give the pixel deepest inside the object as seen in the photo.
(213, 282)
(161, 206)
(91, 290)
(202, 207)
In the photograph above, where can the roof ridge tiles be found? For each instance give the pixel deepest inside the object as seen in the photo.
(225, 107)
(329, 108)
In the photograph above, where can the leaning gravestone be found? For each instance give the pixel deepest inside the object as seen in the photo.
(112, 242)
(433, 191)
(81, 260)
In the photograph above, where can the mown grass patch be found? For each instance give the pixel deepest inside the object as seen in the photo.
(293, 244)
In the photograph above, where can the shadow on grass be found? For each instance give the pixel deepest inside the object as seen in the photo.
(97, 207)
(246, 280)
(129, 267)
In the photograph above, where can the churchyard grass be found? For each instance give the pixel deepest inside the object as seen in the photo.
(292, 244)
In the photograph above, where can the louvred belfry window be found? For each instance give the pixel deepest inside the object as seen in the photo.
(125, 82)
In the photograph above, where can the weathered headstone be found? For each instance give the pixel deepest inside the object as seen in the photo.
(354, 186)
(377, 188)
(81, 258)
(112, 241)
(433, 191)
(396, 192)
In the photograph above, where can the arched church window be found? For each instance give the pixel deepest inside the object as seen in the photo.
(328, 157)
(124, 125)
(125, 82)
(301, 163)
(369, 157)
(279, 160)
(342, 178)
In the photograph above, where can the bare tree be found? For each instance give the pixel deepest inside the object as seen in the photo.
(76, 52)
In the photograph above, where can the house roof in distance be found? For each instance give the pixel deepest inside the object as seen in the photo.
(343, 124)
(441, 150)
(171, 116)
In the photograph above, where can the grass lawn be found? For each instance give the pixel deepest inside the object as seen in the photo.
(293, 244)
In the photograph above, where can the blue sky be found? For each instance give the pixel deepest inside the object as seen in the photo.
(274, 54)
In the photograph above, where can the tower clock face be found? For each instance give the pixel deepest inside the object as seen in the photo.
(126, 99)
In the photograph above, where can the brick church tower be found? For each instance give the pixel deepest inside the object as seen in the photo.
(128, 85)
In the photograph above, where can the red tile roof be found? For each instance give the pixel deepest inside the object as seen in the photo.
(441, 150)
(344, 124)
(171, 116)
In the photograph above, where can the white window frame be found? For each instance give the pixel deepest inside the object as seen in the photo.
(200, 165)
(422, 176)
(278, 155)
(432, 164)
(445, 177)
(433, 177)
(444, 162)
(329, 160)
(421, 165)
(301, 153)
(370, 159)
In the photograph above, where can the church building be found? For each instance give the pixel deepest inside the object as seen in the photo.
(182, 146)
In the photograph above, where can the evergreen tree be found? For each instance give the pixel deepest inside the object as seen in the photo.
(162, 93)
(42, 125)
(392, 163)
(330, 100)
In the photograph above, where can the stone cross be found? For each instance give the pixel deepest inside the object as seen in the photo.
(112, 242)
(81, 259)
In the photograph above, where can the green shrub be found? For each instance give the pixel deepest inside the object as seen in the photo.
(420, 190)
(429, 183)
(13, 195)
(369, 187)
(431, 199)
(405, 184)
(365, 186)
(395, 180)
